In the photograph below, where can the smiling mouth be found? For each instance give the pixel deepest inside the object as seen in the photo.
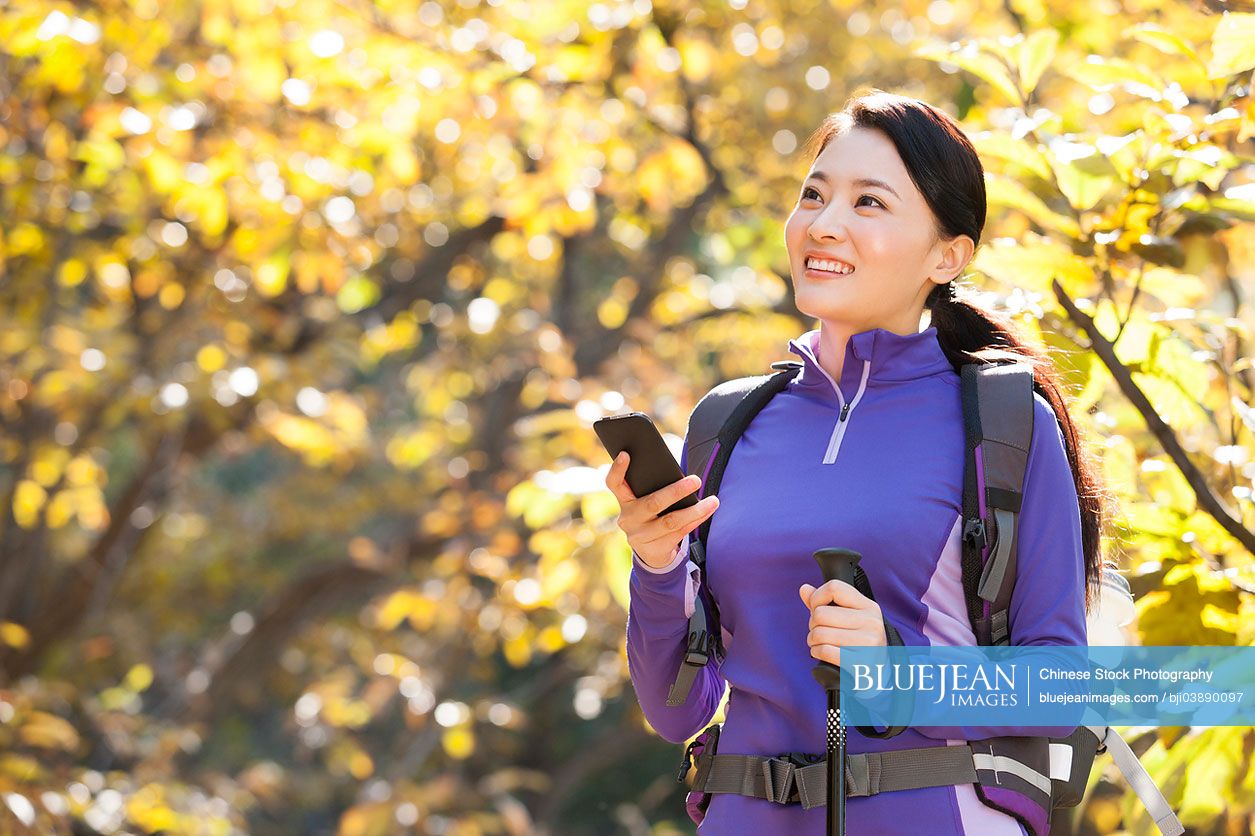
(821, 273)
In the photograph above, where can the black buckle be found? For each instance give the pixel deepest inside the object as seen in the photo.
(698, 650)
(973, 529)
(687, 763)
(711, 737)
(787, 790)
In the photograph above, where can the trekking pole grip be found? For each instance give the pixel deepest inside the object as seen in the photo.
(835, 564)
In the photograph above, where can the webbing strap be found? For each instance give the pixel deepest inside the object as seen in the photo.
(785, 781)
(696, 656)
(1139, 779)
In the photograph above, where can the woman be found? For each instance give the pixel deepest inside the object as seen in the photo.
(862, 450)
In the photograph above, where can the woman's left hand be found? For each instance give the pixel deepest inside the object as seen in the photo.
(841, 616)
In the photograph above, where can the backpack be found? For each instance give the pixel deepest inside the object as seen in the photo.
(1025, 777)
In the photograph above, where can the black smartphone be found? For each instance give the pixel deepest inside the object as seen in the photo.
(651, 465)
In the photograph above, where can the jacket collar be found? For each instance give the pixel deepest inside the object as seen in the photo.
(885, 355)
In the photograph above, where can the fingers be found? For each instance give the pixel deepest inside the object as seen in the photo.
(821, 636)
(840, 618)
(664, 498)
(616, 482)
(679, 523)
(836, 592)
(827, 653)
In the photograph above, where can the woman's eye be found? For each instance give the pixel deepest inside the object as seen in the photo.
(809, 190)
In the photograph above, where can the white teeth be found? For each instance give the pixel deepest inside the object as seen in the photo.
(830, 266)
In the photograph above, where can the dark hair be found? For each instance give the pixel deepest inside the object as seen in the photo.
(947, 170)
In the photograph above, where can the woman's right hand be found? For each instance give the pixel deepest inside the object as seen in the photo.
(656, 539)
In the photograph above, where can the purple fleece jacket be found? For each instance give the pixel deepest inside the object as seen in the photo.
(887, 481)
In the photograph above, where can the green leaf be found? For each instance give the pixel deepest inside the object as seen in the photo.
(1232, 45)
(1175, 408)
(1002, 145)
(1032, 263)
(1035, 55)
(1104, 73)
(1159, 249)
(1003, 191)
(969, 56)
(357, 293)
(1208, 776)
(1084, 180)
(1152, 34)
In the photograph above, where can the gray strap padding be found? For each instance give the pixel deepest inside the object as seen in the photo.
(708, 417)
(1139, 779)
(1002, 763)
(1005, 401)
(994, 578)
(869, 773)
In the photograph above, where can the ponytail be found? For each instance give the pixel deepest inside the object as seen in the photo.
(969, 332)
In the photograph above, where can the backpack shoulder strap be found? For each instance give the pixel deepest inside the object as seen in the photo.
(998, 427)
(714, 427)
(717, 423)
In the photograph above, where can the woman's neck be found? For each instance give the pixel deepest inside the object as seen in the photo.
(833, 337)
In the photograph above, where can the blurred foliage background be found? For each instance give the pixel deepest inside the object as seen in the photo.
(308, 309)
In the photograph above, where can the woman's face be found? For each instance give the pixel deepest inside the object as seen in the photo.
(886, 232)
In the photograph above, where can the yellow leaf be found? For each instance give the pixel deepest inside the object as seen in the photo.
(550, 639)
(139, 678)
(47, 731)
(211, 358)
(396, 608)
(361, 766)
(164, 172)
(697, 59)
(618, 561)
(213, 211)
(1219, 619)
(271, 276)
(28, 501)
(368, 820)
(72, 272)
(518, 650)
(24, 239)
(598, 507)
(264, 73)
(459, 742)
(14, 635)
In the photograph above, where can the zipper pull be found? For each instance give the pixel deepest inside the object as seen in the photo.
(845, 410)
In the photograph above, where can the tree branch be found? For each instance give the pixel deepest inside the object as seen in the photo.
(1105, 350)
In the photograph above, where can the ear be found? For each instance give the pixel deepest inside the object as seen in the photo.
(954, 256)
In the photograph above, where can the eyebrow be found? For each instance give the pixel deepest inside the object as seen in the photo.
(862, 181)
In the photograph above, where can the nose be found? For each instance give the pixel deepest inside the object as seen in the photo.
(829, 223)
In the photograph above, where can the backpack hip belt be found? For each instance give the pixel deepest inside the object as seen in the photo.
(801, 778)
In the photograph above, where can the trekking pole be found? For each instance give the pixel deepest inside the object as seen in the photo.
(836, 564)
